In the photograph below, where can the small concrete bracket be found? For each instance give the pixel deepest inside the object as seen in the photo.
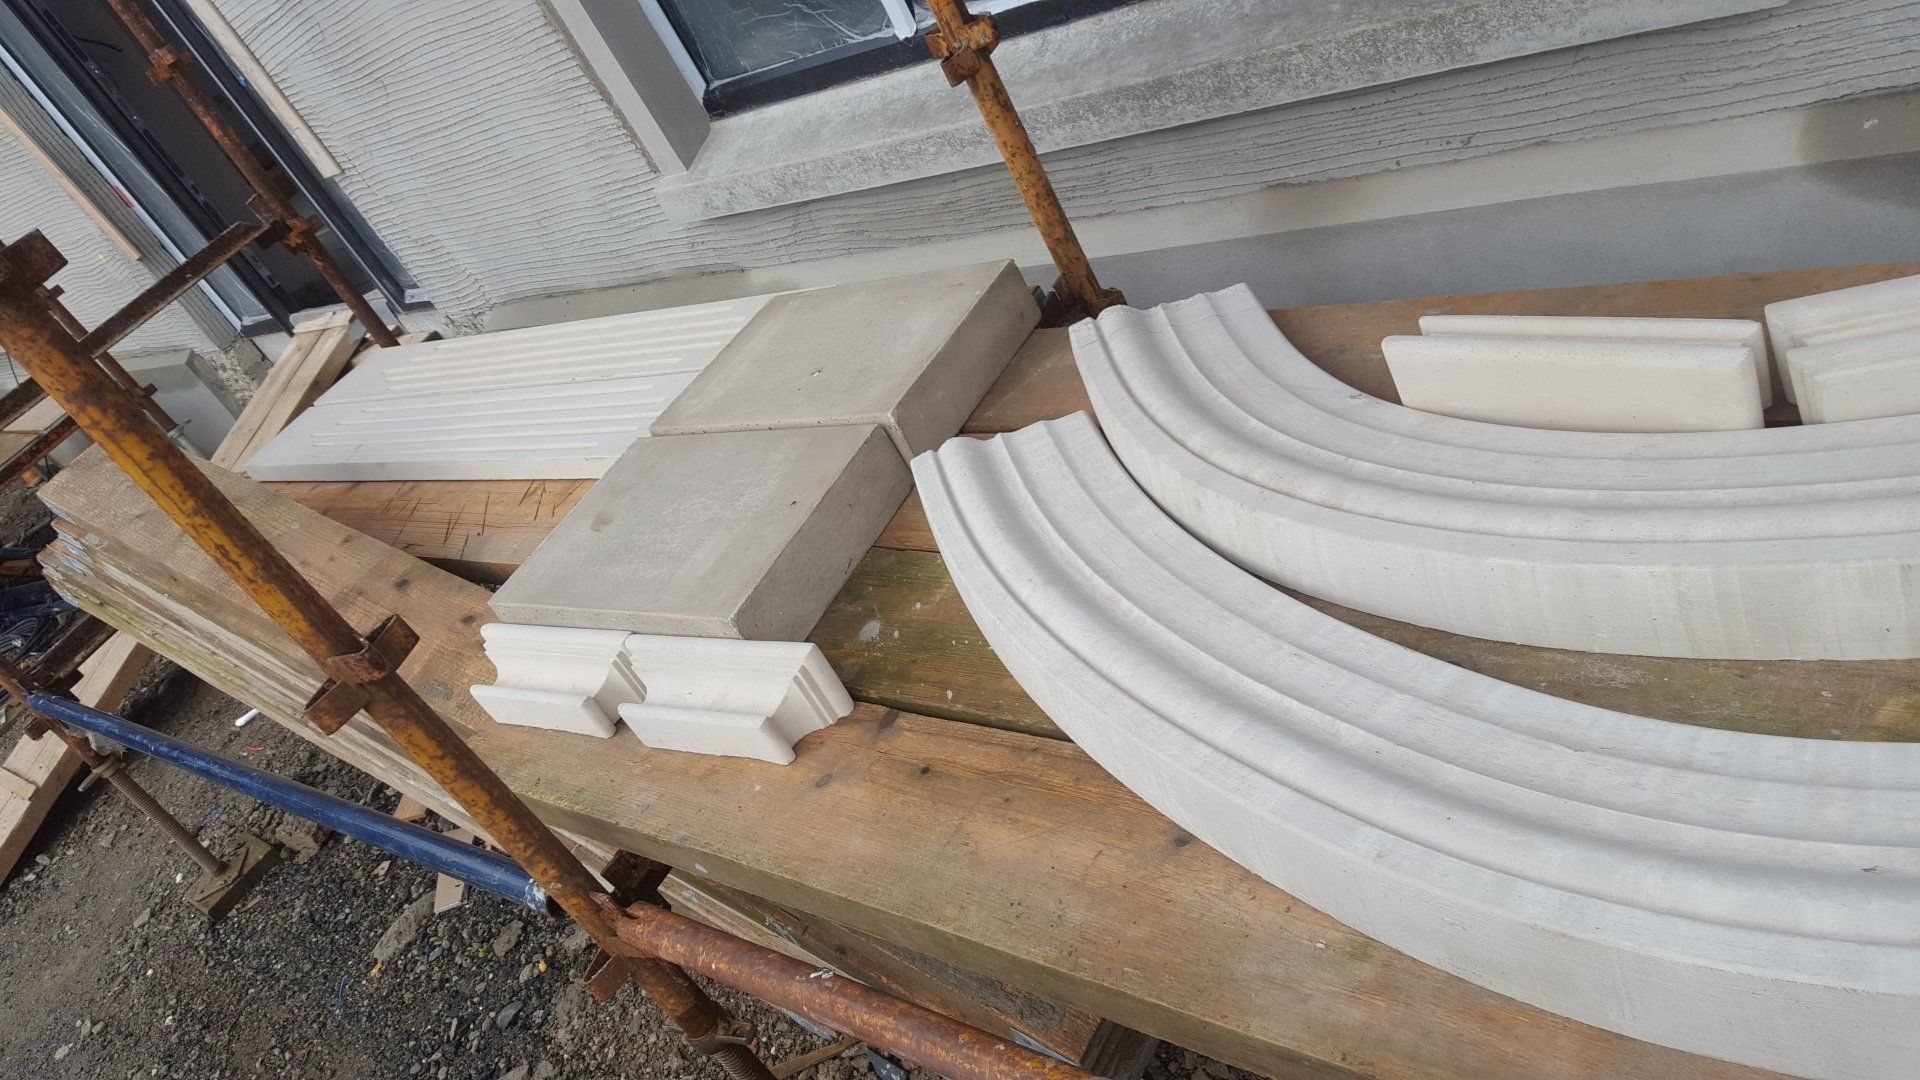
(215, 894)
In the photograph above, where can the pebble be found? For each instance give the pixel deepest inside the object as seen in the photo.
(545, 1071)
(507, 938)
(61, 1054)
(404, 929)
(141, 919)
(518, 1072)
(505, 1018)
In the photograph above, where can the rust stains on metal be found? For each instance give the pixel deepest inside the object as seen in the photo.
(173, 66)
(174, 283)
(964, 44)
(924, 1037)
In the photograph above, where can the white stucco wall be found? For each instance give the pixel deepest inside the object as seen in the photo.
(99, 276)
(485, 155)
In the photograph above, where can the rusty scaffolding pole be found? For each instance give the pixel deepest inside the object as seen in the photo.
(644, 942)
(964, 44)
(174, 66)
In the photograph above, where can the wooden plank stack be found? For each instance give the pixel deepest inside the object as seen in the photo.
(312, 361)
(36, 771)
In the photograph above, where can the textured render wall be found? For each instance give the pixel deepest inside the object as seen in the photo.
(486, 157)
(99, 277)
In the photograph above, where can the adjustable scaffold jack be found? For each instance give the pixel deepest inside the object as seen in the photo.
(647, 944)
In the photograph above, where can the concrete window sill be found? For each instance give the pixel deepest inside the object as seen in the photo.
(1145, 67)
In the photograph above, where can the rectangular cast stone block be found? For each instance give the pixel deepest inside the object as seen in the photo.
(913, 355)
(1618, 386)
(744, 534)
(1823, 318)
(1858, 378)
(1746, 333)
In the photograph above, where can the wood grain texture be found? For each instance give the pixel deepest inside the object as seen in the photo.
(988, 1004)
(45, 765)
(1007, 855)
(899, 636)
(481, 530)
(312, 361)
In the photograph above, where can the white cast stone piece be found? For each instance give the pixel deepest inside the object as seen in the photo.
(1578, 385)
(911, 354)
(558, 677)
(1780, 543)
(547, 402)
(1747, 897)
(1822, 318)
(1859, 378)
(702, 695)
(734, 698)
(1749, 334)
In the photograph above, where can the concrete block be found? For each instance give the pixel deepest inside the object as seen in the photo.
(913, 355)
(1578, 385)
(1824, 318)
(752, 699)
(745, 534)
(1860, 378)
(181, 388)
(563, 678)
(701, 695)
(542, 403)
(1749, 334)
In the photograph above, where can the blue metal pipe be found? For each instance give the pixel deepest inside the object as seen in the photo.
(476, 866)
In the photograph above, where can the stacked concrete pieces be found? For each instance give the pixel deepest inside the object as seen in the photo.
(1863, 310)
(544, 403)
(742, 519)
(1781, 543)
(742, 699)
(1586, 374)
(1748, 897)
(913, 355)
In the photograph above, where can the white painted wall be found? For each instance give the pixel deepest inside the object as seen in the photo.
(478, 146)
(99, 276)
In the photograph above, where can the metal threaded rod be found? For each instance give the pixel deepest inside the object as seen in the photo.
(138, 796)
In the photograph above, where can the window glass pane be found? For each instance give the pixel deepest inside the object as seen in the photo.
(731, 38)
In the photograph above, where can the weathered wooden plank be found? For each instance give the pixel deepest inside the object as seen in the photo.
(312, 361)
(988, 1004)
(1007, 855)
(900, 636)
(45, 763)
(481, 530)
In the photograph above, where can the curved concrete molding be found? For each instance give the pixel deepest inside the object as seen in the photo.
(1749, 897)
(1841, 315)
(1799, 543)
(702, 695)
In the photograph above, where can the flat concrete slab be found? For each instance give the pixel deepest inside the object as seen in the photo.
(913, 355)
(745, 534)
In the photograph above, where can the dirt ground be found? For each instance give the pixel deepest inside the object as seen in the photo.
(109, 974)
